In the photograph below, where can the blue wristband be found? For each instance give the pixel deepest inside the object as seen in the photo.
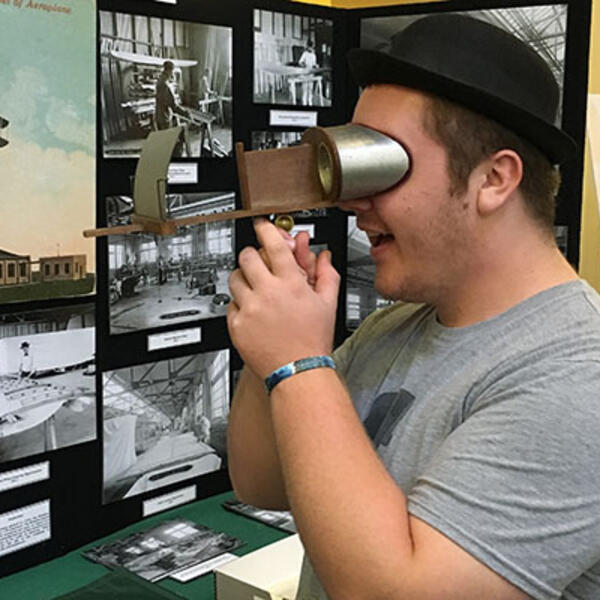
(304, 364)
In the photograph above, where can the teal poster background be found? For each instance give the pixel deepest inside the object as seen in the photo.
(47, 169)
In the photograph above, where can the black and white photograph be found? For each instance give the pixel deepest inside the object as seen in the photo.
(292, 59)
(156, 280)
(361, 297)
(159, 73)
(164, 422)
(269, 140)
(280, 519)
(47, 380)
(171, 546)
(544, 27)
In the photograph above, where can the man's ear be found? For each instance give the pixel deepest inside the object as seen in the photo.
(501, 176)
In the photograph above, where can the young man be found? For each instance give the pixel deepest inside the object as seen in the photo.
(454, 453)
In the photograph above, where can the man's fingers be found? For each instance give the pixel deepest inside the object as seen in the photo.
(252, 266)
(239, 287)
(232, 311)
(327, 278)
(278, 250)
(306, 259)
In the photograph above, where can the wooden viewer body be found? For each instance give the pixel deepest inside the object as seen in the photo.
(275, 181)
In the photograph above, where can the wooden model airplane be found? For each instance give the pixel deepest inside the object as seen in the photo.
(331, 164)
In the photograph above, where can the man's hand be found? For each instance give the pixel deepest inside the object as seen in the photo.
(276, 315)
(306, 259)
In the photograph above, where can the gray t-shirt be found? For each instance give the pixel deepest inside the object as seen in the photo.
(492, 431)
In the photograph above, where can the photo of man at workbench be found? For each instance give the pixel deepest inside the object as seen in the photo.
(449, 448)
(155, 74)
(292, 59)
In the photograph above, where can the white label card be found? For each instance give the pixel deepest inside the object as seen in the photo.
(204, 567)
(308, 227)
(167, 501)
(183, 173)
(170, 339)
(24, 527)
(24, 476)
(293, 118)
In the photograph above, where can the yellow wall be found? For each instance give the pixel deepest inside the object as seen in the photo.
(589, 264)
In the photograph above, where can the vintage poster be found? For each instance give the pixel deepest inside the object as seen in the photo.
(47, 148)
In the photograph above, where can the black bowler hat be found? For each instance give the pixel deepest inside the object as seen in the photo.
(476, 65)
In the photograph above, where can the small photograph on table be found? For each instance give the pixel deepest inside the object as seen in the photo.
(361, 296)
(281, 519)
(292, 59)
(164, 422)
(269, 140)
(156, 280)
(159, 73)
(163, 550)
(47, 380)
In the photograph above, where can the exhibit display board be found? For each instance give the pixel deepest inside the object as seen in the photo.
(116, 369)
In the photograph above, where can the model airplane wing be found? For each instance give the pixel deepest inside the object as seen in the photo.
(153, 61)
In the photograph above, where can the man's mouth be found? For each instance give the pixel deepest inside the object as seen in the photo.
(378, 239)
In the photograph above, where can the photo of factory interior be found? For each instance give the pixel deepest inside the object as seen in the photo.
(161, 280)
(164, 422)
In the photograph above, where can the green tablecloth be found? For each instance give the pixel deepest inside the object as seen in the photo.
(72, 571)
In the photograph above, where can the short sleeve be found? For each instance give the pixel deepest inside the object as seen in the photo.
(378, 323)
(517, 483)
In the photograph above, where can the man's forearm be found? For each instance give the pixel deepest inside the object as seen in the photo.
(254, 465)
(351, 515)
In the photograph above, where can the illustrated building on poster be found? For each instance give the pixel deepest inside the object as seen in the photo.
(48, 143)
(292, 59)
(47, 380)
(63, 268)
(134, 51)
(164, 422)
(14, 269)
(156, 281)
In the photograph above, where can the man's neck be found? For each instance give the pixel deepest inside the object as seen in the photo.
(502, 281)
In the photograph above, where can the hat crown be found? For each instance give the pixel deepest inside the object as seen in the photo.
(485, 57)
(477, 65)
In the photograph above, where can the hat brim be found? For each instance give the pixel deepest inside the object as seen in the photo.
(371, 66)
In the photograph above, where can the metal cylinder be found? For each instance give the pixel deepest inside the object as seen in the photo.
(354, 161)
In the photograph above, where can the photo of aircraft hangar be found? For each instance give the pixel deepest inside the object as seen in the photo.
(164, 422)
(159, 73)
(47, 380)
(161, 280)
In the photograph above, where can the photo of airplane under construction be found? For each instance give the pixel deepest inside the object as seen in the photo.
(164, 422)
